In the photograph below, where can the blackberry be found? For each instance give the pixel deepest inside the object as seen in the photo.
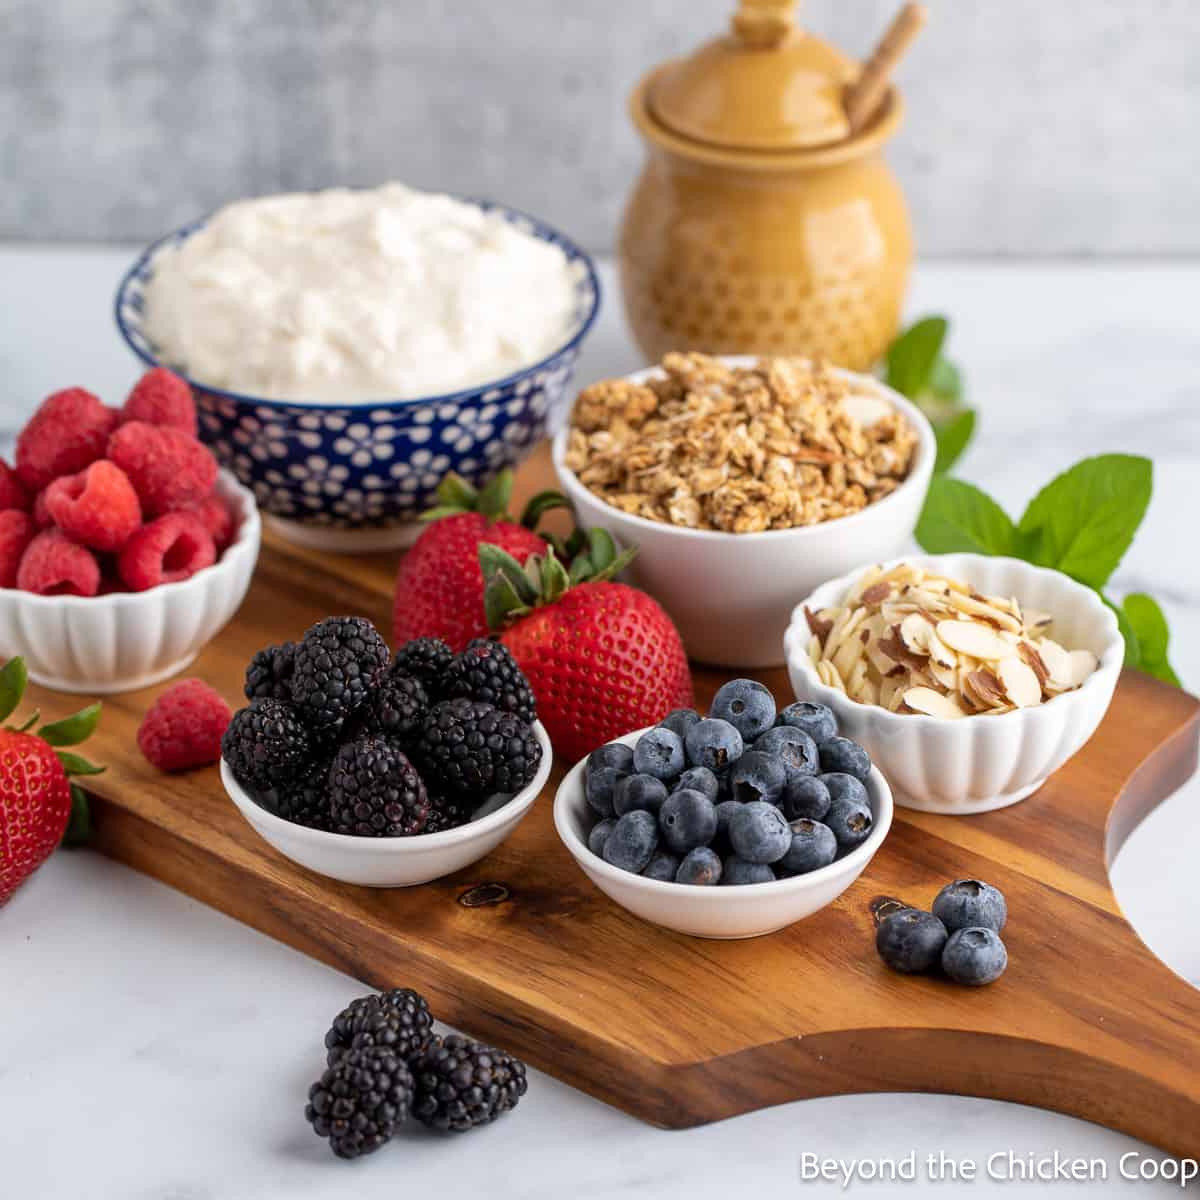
(487, 671)
(426, 659)
(446, 813)
(398, 1020)
(472, 749)
(334, 667)
(306, 802)
(360, 1101)
(395, 707)
(269, 675)
(266, 745)
(461, 1084)
(374, 791)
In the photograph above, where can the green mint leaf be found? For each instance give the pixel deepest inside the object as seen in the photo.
(79, 826)
(1153, 636)
(1082, 521)
(945, 381)
(13, 678)
(958, 517)
(910, 358)
(953, 436)
(1133, 652)
(72, 730)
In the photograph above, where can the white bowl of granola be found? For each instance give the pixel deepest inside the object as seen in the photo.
(796, 472)
(985, 693)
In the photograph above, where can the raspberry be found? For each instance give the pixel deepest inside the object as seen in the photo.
(67, 433)
(217, 519)
(184, 727)
(16, 532)
(53, 565)
(161, 397)
(97, 507)
(12, 490)
(41, 513)
(168, 469)
(168, 550)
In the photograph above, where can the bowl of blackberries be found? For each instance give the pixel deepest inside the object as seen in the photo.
(384, 769)
(729, 825)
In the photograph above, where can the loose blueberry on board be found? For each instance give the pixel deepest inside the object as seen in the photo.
(702, 868)
(974, 957)
(794, 749)
(911, 941)
(813, 846)
(599, 835)
(492, 804)
(613, 754)
(841, 754)
(659, 753)
(639, 791)
(714, 744)
(687, 819)
(699, 779)
(758, 776)
(851, 821)
(971, 904)
(662, 867)
(817, 720)
(759, 833)
(680, 720)
(599, 788)
(736, 871)
(747, 705)
(632, 842)
(807, 796)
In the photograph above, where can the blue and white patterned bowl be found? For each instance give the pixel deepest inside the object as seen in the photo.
(356, 477)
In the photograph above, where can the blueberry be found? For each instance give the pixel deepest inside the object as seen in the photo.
(662, 867)
(599, 835)
(680, 720)
(599, 788)
(794, 748)
(758, 776)
(659, 752)
(713, 744)
(738, 871)
(850, 821)
(639, 791)
(615, 754)
(807, 796)
(632, 842)
(817, 720)
(699, 779)
(725, 811)
(701, 867)
(759, 833)
(971, 904)
(746, 705)
(813, 846)
(687, 819)
(490, 805)
(845, 787)
(841, 754)
(910, 941)
(974, 957)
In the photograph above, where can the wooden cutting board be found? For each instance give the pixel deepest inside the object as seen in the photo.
(681, 1031)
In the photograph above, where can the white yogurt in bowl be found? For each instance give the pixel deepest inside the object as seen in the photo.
(352, 296)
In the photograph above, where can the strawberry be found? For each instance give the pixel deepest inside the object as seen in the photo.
(38, 801)
(602, 658)
(439, 587)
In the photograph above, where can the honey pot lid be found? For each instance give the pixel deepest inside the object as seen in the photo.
(765, 85)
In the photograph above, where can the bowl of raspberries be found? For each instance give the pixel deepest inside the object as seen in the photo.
(729, 825)
(123, 548)
(384, 769)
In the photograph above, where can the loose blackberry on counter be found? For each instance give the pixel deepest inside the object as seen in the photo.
(426, 659)
(487, 671)
(398, 1020)
(334, 665)
(375, 791)
(360, 1101)
(470, 748)
(266, 745)
(462, 1084)
(269, 675)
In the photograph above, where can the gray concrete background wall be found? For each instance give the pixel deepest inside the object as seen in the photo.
(1044, 127)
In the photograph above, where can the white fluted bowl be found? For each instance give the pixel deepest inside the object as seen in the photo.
(976, 764)
(129, 640)
(748, 910)
(391, 861)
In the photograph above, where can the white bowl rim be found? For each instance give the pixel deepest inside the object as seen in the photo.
(249, 534)
(879, 790)
(918, 476)
(1111, 657)
(396, 846)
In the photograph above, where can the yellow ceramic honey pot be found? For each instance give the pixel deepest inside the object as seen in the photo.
(765, 220)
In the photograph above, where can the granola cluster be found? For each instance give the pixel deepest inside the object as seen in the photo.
(706, 445)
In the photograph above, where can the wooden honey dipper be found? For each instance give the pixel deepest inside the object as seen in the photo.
(863, 96)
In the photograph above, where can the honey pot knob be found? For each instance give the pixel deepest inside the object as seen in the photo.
(763, 24)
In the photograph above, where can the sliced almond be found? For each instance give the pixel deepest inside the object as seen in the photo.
(986, 688)
(985, 611)
(970, 637)
(1058, 665)
(818, 626)
(1083, 663)
(1032, 659)
(946, 676)
(925, 700)
(1020, 683)
(893, 646)
(828, 675)
(876, 593)
(914, 633)
(939, 651)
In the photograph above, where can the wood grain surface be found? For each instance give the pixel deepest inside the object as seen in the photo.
(681, 1031)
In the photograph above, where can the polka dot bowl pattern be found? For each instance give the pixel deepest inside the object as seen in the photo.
(355, 477)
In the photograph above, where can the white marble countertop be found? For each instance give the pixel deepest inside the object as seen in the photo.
(153, 1049)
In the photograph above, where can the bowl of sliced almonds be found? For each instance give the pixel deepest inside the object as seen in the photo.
(968, 679)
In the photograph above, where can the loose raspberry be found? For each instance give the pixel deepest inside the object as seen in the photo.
(53, 565)
(162, 398)
(97, 507)
(41, 512)
(217, 518)
(168, 469)
(184, 727)
(12, 490)
(67, 433)
(16, 532)
(170, 549)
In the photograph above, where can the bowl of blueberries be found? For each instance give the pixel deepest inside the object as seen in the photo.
(729, 825)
